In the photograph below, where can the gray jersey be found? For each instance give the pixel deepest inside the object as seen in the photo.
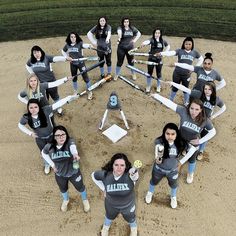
(42, 69)
(189, 129)
(42, 97)
(74, 52)
(127, 36)
(203, 77)
(209, 108)
(63, 159)
(119, 193)
(41, 132)
(101, 37)
(158, 46)
(171, 162)
(185, 57)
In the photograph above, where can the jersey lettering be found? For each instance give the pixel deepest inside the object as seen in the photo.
(117, 187)
(60, 154)
(187, 57)
(205, 77)
(191, 126)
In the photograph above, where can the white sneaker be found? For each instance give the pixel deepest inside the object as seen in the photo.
(86, 205)
(134, 77)
(90, 95)
(200, 156)
(64, 205)
(105, 230)
(173, 202)
(148, 89)
(158, 89)
(59, 111)
(47, 169)
(148, 197)
(116, 77)
(133, 231)
(189, 178)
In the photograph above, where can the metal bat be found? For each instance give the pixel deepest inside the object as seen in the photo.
(131, 83)
(86, 59)
(140, 54)
(100, 82)
(99, 50)
(135, 49)
(89, 68)
(146, 62)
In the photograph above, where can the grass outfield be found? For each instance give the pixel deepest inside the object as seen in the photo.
(213, 19)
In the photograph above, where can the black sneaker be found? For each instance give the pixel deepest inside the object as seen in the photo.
(102, 76)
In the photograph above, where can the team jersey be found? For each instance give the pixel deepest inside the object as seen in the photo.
(41, 97)
(74, 52)
(41, 132)
(209, 108)
(158, 46)
(127, 35)
(185, 57)
(119, 193)
(42, 69)
(189, 129)
(203, 77)
(63, 159)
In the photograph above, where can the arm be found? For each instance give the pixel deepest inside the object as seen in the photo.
(211, 134)
(29, 69)
(137, 37)
(219, 112)
(190, 152)
(47, 158)
(87, 45)
(59, 58)
(167, 48)
(119, 32)
(133, 174)
(57, 82)
(145, 43)
(91, 38)
(108, 36)
(25, 130)
(99, 183)
(63, 101)
(74, 152)
(199, 61)
(185, 66)
(22, 99)
(165, 101)
(64, 53)
(181, 87)
(221, 84)
(168, 53)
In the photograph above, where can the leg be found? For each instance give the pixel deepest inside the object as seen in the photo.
(158, 72)
(173, 183)
(191, 167)
(101, 56)
(120, 60)
(108, 61)
(129, 216)
(74, 71)
(130, 59)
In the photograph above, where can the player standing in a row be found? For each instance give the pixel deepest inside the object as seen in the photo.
(157, 45)
(62, 156)
(186, 54)
(72, 51)
(100, 36)
(117, 180)
(127, 36)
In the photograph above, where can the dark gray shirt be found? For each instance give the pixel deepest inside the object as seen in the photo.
(74, 52)
(127, 36)
(209, 108)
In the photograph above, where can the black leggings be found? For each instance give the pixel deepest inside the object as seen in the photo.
(121, 53)
(74, 70)
(178, 78)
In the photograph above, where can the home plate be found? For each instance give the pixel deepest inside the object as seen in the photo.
(115, 133)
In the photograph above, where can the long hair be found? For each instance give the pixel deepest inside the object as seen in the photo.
(29, 89)
(78, 39)
(54, 142)
(41, 115)
(208, 55)
(109, 165)
(188, 39)
(32, 57)
(213, 95)
(154, 39)
(98, 28)
(202, 115)
(122, 23)
(179, 141)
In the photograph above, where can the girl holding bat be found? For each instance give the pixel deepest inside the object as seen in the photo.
(72, 51)
(168, 149)
(157, 45)
(127, 37)
(63, 157)
(193, 121)
(100, 36)
(117, 179)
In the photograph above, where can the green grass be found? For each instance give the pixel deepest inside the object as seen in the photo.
(214, 19)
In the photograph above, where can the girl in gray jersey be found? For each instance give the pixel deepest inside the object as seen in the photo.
(117, 180)
(192, 121)
(62, 156)
(35, 89)
(186, 54)
(39, 64)
(100, 36)
(157, 45)
(39, 120)
(204, 73)
(168, 148)
(72, 51)
(127, 36)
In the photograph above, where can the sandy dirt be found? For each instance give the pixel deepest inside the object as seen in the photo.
(30, 201)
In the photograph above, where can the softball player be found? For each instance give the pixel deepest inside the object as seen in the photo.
(100, 36)
(72, 51)
(39, 64)
(39, 120)
(117, 180)
(62, 156)
(127, 36)
(168, 149)
(157, 45)
(192, 121)
(186, 54)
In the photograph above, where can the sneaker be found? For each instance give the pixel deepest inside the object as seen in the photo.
(47, 169)
(200, 156)
(102, 76)
(148, 197)
(148, 89)
(173, 202)
(158, 89)
(64, 205)
(59, 111)
(105, 230)
(90, 95)
(189, 178)
(134, 77)
(116, 77)
(86, 205)
(133, 231)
